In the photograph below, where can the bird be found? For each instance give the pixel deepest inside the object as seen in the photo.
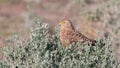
(69, 35)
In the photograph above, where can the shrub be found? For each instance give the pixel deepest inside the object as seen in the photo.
(45, 51)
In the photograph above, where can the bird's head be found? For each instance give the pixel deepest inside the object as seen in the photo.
(66, 24)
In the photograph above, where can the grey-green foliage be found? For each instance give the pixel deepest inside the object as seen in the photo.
(45, 51)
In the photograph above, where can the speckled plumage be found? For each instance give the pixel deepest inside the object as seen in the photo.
(69, 35)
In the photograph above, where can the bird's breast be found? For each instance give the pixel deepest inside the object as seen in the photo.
(65, 37)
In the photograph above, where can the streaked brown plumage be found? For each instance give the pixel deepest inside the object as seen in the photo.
(69, 35)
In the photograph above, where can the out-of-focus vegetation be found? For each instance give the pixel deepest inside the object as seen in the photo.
(105, 14)
(99, 15)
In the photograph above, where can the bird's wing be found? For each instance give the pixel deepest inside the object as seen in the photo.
(80, 37)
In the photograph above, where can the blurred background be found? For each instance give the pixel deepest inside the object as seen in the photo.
(94, 18)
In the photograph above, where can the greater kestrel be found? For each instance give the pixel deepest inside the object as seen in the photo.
(69, 35)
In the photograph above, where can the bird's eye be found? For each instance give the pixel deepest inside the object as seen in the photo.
(62, 23)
